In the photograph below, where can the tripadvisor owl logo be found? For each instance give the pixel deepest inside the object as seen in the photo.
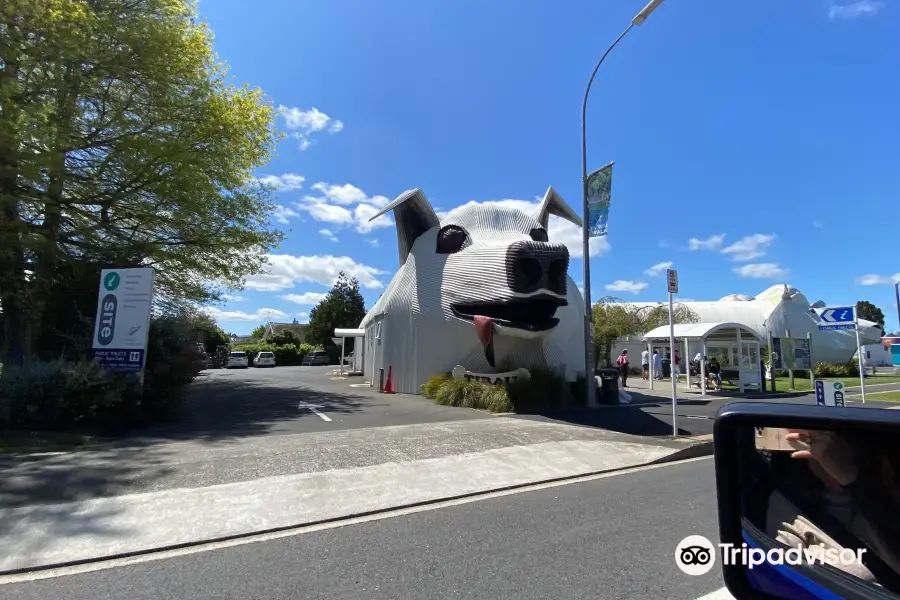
(111, 281)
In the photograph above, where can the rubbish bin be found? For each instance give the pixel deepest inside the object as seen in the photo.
(667, 367)
(609, 386)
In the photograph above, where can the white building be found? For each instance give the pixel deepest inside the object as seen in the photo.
(483, 288)
(778, 309)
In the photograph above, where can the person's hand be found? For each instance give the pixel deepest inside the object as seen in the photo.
(829, 451)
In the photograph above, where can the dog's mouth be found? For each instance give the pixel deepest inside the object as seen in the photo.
(535, 313)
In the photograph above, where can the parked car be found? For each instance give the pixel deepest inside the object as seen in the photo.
(318, 357)
(237, 360)
(265, 359)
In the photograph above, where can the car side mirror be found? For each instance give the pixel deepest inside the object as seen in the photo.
(809, 501)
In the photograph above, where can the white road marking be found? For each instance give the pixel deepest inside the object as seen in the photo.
(314, 408)
(388, 514)
(720, 594)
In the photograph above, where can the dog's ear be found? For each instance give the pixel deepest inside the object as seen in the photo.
(414, 216)
(553, 204)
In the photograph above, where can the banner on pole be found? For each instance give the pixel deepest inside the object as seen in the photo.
(599, 188)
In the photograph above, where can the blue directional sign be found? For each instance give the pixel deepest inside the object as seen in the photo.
(820, 392)
(838, 317)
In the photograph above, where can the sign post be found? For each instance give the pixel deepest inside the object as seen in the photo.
(123, 319)
(672, 279)
(845, 318)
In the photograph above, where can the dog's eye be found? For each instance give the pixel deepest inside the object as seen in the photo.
(450, 239)
(539, 235)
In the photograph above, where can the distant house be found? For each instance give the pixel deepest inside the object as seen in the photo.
(237, 340)
(298, 329)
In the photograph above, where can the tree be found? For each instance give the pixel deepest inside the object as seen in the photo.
(122, 144)
(613, 319)
(868, 311)
(284, 338)
(258, 332)
(342, 307)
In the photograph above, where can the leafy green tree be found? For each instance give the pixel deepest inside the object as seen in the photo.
(342, 308)
(868, 311)
(258, 332)
(284, 338)
(122, 143)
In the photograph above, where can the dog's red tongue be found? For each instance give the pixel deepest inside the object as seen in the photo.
(484, 327)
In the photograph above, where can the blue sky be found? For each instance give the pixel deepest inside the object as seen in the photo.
(755, 142)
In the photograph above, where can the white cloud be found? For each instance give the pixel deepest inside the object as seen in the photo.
(328, 234)
(713, 242)
(761, 271)
(373, 242)
(854, 10)
(283, 183)
(560, 230)
(283, 214)
(285, 271)
(658, 268)
(261, 315)
(232, 298)
(310, 298)
(346, 205)
(750, 247)
(633, 287)
(878, 279)
(303, 123)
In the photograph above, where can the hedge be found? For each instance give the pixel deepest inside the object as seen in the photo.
(286, 356)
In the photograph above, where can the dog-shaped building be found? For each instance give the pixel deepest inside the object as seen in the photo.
(484, 288)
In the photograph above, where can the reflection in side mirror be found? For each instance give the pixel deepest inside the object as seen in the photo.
(809, 501)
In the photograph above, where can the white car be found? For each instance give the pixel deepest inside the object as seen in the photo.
(237, 360)
(265, 359)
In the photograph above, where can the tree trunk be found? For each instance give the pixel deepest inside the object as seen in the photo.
(13, 291)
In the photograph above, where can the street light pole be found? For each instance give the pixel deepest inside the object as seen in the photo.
(585, 238)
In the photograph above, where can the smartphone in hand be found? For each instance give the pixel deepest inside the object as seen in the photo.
(774, 439)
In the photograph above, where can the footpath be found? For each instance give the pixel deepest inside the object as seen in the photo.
(78, 507)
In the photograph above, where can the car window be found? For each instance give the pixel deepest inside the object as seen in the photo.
(238, 354)
(266, 354)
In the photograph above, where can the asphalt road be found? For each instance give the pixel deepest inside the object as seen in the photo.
(243, 402)
(610, 538)
(652, 415)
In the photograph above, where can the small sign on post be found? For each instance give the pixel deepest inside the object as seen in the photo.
(840, 318)
(829, 393)
(672, 278)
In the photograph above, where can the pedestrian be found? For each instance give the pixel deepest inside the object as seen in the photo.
(645, 364)
(676, 366)
(622, 363)
(657, 365)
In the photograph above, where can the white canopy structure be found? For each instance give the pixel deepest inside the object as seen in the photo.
(358, 347)
(746, 343)
(778, 310)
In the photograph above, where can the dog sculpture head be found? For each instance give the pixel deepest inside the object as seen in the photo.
(490, 266)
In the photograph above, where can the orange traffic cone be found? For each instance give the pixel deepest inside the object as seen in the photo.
(389, 386)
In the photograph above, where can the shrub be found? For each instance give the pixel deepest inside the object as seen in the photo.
(287, 355)
(63, 394)
(848, 369)
(546, 391)
(430, 388)
(473, 394)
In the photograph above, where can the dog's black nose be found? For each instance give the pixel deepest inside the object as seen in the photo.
(531, 266)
